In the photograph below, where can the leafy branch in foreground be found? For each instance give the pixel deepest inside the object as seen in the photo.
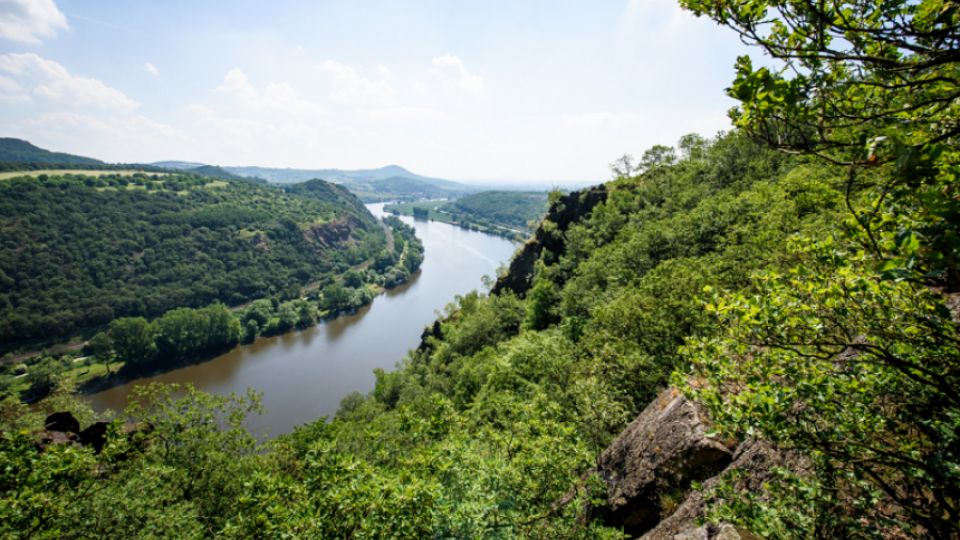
(858, 373)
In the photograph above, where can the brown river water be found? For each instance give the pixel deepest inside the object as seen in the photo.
(303, 375)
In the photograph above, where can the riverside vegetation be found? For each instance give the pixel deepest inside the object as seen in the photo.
(804, 298)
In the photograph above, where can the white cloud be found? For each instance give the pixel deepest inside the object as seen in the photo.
(35, 76)
(151, 69)
(350, 87)
(26, 21)
(236, 83)
(451, 68)
(275, 97)
(11, 92)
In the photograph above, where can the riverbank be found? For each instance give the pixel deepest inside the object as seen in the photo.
(303, 375)
(121, 376)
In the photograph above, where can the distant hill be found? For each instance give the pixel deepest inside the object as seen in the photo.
(19, 150)
(515, 209)
(506, 213)
(214, 171)
(390, 182)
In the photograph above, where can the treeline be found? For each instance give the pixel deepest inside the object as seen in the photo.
(79, 251)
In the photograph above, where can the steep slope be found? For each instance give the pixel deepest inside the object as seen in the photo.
(78, 251)
(511, 397)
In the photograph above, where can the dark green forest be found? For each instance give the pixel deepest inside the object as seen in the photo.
(797, 278)
(80, 251)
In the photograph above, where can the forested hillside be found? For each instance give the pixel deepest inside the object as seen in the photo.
(795, 283)
(388, 183)
(79, 251)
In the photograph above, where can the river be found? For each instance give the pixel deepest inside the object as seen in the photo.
(303, 375)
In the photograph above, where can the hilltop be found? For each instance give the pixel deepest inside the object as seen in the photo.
(391, 182)
(18, 150)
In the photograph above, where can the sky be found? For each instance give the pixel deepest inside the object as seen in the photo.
(532, 90)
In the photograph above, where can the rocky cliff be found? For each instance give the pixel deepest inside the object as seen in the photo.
(567, 210)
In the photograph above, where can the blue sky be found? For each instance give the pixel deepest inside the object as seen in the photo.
(492, 90)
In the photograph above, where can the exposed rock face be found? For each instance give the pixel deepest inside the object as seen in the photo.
(657, 457)
(570, 208)
(952, 300)
(650, 468)
(335, 233)
(724, 531)
(756, 460)
(63, 428)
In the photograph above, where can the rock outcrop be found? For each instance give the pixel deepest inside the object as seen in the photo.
(64, 428)
(334, 234)
(650, 469)
(656, 459)
(755, 462)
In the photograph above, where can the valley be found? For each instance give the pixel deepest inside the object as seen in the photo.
(305, 374)
(746, 325)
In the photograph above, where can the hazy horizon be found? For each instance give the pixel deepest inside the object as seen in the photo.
(492, 92)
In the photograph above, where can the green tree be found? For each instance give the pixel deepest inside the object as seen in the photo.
(133, 340)
(656, 156)
(306, 314)
(851, 357)
(100, 347)
(250, 331)
(871, 86)
(335, 296)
